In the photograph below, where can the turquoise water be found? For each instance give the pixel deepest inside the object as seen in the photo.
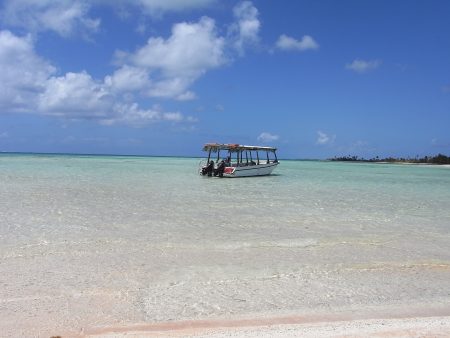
(98, 240)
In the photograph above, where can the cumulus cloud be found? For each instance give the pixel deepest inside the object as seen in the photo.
(362, 66)
(63, 17)
(176, 62)
(28, 84)
(192, 49)
(267, 137)
(165, 67)
(75, 95)
(171, 87)
(23, 73)
(323, 138)
(79, 96)
(245, 31)
(285, 42)
(128, 78)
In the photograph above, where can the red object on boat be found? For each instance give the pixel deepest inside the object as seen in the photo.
(228, 170)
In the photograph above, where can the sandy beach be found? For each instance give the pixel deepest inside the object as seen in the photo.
(300, 326)
(412, 320)
(413, 327)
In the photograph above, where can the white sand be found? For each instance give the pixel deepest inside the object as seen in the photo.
(406, 327)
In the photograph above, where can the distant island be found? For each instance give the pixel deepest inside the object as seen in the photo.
(438, 159)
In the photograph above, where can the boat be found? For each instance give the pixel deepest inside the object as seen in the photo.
(239, 160)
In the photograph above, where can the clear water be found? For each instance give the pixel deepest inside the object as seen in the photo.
(91, 241)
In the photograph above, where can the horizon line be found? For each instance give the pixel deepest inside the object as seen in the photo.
(130, 155)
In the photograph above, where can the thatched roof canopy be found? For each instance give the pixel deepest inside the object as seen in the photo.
(214, 147)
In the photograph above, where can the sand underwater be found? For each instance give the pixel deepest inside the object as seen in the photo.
(142, 246)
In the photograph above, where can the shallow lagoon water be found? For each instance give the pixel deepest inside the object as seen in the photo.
(93, 241)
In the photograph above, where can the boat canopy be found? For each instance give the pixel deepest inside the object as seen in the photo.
(214, 147)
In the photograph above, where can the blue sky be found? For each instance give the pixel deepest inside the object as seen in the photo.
(161, 77)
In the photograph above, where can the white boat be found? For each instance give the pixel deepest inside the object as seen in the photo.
(239, 160)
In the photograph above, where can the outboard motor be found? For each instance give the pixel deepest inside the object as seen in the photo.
(220, 169)
(208, 170)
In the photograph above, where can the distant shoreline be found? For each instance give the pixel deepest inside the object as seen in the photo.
(427, 160)
(439, 159)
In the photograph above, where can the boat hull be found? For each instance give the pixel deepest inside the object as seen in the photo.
(251, 170)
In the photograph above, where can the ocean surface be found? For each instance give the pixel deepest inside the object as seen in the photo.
(98, 241)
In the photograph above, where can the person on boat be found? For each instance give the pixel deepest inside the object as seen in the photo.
(208, 170)
(220, 169)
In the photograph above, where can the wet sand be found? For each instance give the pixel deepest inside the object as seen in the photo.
(290, 326)
(401, 321)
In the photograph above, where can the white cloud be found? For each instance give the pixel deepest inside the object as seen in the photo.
(176, 117)
(155, 8)
(267, 137)
(163, 67)
(28, 84)
(75, 95)
(285, 42)
(170, 87)
(79, 96)
(128, 78)
(64, 17)
(245, 31)
(361, 66)
(186, 96)
(23, 73)
(323, 139)
(69, 17)
(176, 62)
(158, 7)
(168, 67)
(192, 49)
(132, 114)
